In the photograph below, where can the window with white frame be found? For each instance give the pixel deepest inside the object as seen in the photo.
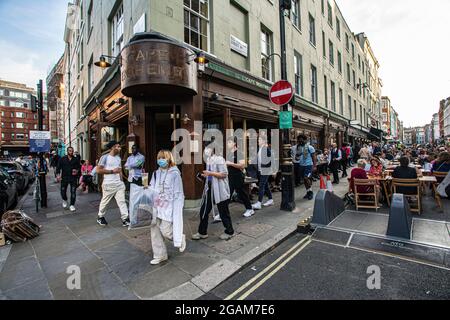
(196, 23)
(333, 96)
(2, 103)
(16, 94)
(20, 125)
(340, 62)
(314, 94)
(2, 92)
(20, 115)
(20, 136)
(117, 30)
(330, 14)
(266, 51)
(296, 13)
(16, 104)
(312, 30)
(298, 65)
(91, 75)
(341, 101)
(338, 28)
(331, 52)
(90, 22)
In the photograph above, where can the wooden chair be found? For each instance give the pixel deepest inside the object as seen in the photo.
(440, 176)
(366, 200)
(410, 183)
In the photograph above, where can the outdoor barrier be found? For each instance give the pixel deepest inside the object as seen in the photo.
(327, 207)
(400, 218)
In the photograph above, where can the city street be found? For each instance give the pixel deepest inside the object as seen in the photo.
(115, 262)
(224, 152)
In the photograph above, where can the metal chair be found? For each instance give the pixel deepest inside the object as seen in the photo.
(416, 204)
(369, 199)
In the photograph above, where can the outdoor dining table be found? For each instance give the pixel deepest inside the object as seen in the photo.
(431, 180)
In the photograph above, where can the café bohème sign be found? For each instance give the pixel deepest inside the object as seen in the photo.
(157, 67)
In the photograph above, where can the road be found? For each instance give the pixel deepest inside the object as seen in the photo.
(302, 268)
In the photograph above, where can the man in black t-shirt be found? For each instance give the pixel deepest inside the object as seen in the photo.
(236, 176)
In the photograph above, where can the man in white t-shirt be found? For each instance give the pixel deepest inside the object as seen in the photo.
(110, 166)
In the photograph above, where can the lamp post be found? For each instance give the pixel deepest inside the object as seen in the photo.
(42, 168)
(287, 169)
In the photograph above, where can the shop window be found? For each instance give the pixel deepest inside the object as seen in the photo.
(196, 23)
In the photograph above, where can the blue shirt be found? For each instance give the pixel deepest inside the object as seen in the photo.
(134, 164)
(303, 155)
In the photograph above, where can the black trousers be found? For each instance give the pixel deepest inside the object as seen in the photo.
(73, 190)
(344, 168)
(137, 181)
(224, 213)
(297, 174)
(322, 169)
(237, 184)
(334, 167)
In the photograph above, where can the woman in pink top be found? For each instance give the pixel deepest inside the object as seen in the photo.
(376, 169)
(86, 176)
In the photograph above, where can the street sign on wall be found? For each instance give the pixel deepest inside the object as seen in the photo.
(281, 93)
(40, 141)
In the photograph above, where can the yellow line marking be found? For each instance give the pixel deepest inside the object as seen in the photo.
(271, 274)
(259, 275)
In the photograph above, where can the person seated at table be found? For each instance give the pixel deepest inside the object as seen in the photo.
(384, 160)
(376, 168)
(442, 164)
(404, 171)
(360, 173)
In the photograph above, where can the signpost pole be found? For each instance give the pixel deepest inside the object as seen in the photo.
(42, 167)
(287, 168)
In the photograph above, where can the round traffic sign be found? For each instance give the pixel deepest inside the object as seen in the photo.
(281, 93)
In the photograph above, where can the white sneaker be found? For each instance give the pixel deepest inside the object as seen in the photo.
(268, 203)
(183, 244)
(249, 213)
(155, 262)
(257, 206)
(72, 209)
(65, 205)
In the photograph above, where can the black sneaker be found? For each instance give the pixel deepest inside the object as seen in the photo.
(102, 221)
(306, 196)
(126, 222)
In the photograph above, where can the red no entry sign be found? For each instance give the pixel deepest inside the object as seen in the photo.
(281, 93)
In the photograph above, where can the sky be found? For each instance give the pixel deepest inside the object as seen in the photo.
(31, 38)
(411, 39)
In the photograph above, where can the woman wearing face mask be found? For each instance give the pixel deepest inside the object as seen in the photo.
(216, 192)
(168, 206)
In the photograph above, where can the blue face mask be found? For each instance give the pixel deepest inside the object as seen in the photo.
(162, 163)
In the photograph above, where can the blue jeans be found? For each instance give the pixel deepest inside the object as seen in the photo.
(264, 188)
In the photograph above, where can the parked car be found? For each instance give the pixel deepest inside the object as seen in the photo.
(16, 170)
(8, 192)
(29, 171)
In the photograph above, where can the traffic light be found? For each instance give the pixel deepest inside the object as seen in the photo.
(34, 103)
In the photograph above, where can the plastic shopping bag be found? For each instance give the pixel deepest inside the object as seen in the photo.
(141, 207)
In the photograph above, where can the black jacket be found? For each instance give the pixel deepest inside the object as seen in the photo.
(66, 167)
(405, 173)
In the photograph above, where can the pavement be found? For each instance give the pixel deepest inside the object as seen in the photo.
(114, 263)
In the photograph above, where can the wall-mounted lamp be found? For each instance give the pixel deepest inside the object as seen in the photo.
(103, 63)
(200, 59)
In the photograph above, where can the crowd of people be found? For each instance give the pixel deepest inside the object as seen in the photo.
(225, 177)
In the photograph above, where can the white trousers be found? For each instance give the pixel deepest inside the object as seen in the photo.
(160, 231)
(116, 191)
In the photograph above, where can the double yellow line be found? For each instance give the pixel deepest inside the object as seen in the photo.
(249, 287)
